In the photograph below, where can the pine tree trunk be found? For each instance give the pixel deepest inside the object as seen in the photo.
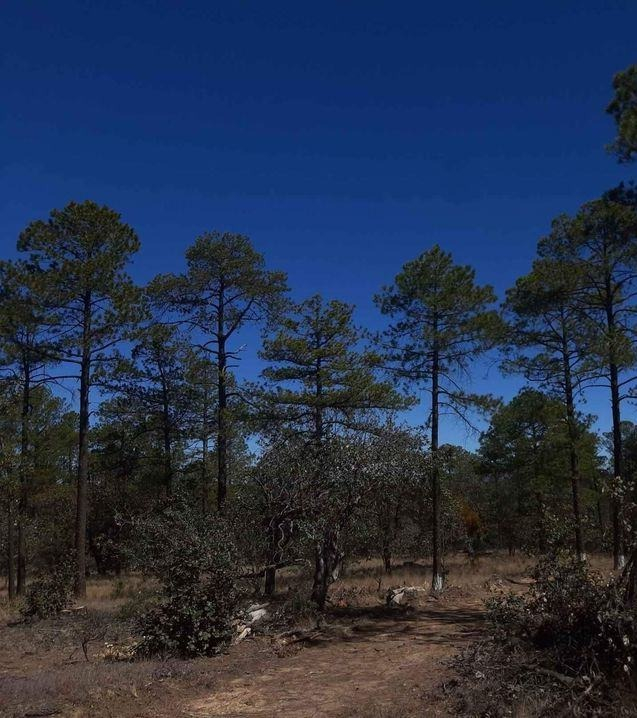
(204, 454)
(168, 463)
(24, 486)
(613, 371)
(222, 428)
(83, 456)
(618, 548)
(10, 551)
(572, 441)
(541, 536)
(437, 572)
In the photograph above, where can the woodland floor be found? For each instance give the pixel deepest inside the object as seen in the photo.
(367, 660)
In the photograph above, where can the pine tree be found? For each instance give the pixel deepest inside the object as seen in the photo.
(551, 340)
(320, 384)
(442, 322)
(81, 252)
(603, 243)
(225, 287)
(153, 385)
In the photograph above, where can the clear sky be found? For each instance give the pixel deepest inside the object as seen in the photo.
(343, 137)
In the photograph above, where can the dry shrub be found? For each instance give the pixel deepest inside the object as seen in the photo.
(568, 645)
(50, 594)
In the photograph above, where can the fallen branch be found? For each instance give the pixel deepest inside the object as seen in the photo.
(564, 680)
(282, 564)
(520, 582)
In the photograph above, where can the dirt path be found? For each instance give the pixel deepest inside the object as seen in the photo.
(380, 664)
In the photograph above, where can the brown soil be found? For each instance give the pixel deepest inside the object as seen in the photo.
(384, 664)
(367, 661)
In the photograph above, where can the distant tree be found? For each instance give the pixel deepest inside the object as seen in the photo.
(8, 452)
(320, 384)
(225, 287)
(202, 382)
(81, 252)
(24, 362)
(154, 386)
(284, 495)
(526, 454)
(385, 523)
(623, 108)
(442, 323)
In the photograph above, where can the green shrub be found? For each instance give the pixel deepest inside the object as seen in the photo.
(194, 560)
(50, 594)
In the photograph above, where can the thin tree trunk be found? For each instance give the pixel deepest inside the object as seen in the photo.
(204, 474)
(24, 486)
(618, 548)
(327, 568)
(437, 572)
(320, 582)
(273, 558)
(387, 559)
(204, 452)
(168, 463)
(83, 455)
(222, 427)
(573, 457)
(541, 508)
(613, 371)
(10, 551)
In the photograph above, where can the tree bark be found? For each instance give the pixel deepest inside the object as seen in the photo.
(387, 559)
(613, 372)
(204, 453)
(222, 427)
(328, 561)
(437, 572)
(83, 454)
(273, 557)
(24, 481)
(10, 551)
(618, 549)
(166, 432)
(573, 456)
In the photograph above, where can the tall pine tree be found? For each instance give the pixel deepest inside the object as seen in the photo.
(441, 324)
(82, 252)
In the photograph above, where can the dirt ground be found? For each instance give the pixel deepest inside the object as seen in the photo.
(364, 660)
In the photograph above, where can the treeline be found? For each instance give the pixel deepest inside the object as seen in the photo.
(309, 463)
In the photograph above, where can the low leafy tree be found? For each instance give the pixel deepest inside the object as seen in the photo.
(319, 386)
(50, 593)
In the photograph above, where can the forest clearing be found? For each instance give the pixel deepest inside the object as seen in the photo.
(363, 445)
(365, 659)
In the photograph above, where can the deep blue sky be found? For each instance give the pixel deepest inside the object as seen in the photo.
(344, 137)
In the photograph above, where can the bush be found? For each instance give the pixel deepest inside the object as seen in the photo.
(573, 612)
(49, 595)
(194, 560)
(567, 647)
